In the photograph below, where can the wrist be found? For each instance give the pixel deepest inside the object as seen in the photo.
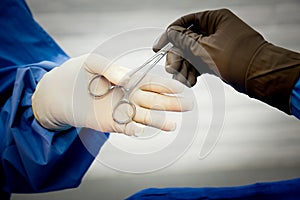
(42, 105)
(272, 76)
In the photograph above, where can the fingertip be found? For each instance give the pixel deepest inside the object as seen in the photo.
(170, 69)
(134, 129)
(118, 75)
(160, 42)
(177, 87)
(139, 133)
(171, 126)
(173, 87)
(187, 104)
(168, 126)
(191, 81)
(184, 104)
(173, 64)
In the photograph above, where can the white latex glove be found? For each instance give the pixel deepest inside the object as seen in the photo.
(61, 99)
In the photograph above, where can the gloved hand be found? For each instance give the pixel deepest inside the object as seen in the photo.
(221, 43)
(61, 99)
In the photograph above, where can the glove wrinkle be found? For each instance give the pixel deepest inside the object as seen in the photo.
(220, 43)
(272, 75)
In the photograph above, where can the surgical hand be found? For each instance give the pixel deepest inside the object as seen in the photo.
(61, 99)
(221, 43)
(219, 38)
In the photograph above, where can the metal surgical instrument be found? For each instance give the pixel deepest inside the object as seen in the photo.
(135, 77)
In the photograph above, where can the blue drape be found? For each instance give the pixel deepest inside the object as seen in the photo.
(285, 190)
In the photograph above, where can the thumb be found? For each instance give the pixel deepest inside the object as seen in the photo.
(97, 64)
(160, 42)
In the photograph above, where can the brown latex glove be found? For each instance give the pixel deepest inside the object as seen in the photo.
(221, 43)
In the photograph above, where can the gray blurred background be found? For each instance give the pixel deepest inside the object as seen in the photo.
(256, 142)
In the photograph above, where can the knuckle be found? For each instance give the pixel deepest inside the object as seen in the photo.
(147, 118)
(225, 11)
(171, 69)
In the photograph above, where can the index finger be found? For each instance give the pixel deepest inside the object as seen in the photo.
(161, 85)
(205, 23)
(160, 42)
(98, 64)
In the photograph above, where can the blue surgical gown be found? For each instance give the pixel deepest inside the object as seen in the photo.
(34, 159)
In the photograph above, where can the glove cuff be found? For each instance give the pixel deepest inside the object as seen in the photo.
(41, 109)
(272, 75)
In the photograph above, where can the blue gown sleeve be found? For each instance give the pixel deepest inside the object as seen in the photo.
(32, 158)
(295, 100)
